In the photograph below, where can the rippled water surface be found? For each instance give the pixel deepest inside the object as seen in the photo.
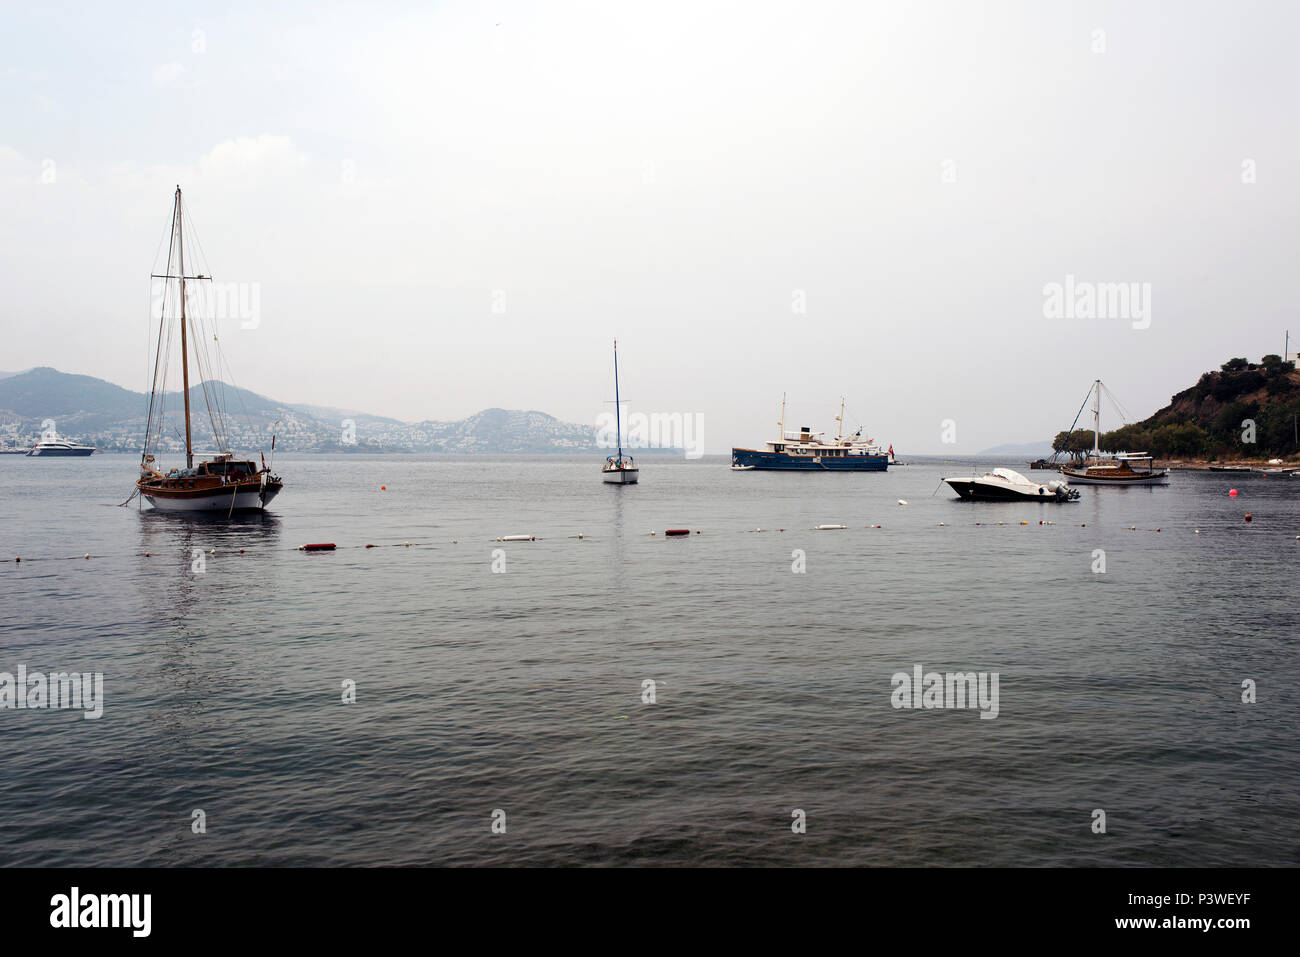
(522, 690)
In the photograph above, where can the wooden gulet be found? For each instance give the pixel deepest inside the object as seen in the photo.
(221, 483)
(1119, 471)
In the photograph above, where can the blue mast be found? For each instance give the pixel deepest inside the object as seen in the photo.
(618, 423)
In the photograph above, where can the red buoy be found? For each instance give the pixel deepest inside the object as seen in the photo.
(678, 531)
(317, 547)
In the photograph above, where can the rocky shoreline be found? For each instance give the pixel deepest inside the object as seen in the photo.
(1229, 466)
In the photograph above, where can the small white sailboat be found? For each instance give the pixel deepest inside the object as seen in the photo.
(617, 469)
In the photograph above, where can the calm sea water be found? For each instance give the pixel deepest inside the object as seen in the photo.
(521, 690)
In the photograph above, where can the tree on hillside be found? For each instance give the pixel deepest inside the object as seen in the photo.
(1127, 438)
(1236, 365)
(1078, 443)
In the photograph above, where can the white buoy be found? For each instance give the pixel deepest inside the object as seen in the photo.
(825, 528)
(902, 501)
(517, 538)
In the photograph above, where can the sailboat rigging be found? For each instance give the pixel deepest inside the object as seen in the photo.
(617, 469)
(217, 484)
(1126, 468)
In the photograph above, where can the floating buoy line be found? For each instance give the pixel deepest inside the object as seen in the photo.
(314, 547)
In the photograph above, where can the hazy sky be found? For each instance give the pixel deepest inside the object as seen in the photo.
(859, 199)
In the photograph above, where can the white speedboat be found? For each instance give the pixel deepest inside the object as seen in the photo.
(1003, 485)
(60, 447)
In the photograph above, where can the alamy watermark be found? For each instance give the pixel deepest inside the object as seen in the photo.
(206, 298)
(953, 689)
(654, 430)
(58, 691)
(76, 909)
(1075, 299)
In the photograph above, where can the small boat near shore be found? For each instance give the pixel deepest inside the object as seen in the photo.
(1006, 485)
(1126, 468)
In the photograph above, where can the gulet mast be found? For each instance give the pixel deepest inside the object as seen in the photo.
(1096, 420)
(618, 421)
(185, 362)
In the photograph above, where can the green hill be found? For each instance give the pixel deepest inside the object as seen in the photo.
(1213, 419)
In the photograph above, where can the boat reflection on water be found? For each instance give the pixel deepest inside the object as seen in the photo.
(181, 535)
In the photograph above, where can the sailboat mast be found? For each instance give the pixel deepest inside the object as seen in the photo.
(781, 425)
(185, 362)
(618, 420)
(1096, 420)
(839, 437)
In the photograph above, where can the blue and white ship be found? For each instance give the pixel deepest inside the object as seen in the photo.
(808, 450)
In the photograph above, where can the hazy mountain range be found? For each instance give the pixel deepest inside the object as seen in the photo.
(85, 409)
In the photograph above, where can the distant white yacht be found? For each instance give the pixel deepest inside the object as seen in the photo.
(56, 446)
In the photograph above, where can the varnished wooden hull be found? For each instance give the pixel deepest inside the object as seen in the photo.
(241, 497)
(1122, 478)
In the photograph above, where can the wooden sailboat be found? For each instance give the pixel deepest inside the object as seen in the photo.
(221, 483)
(1126, 468)
(617, 469)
